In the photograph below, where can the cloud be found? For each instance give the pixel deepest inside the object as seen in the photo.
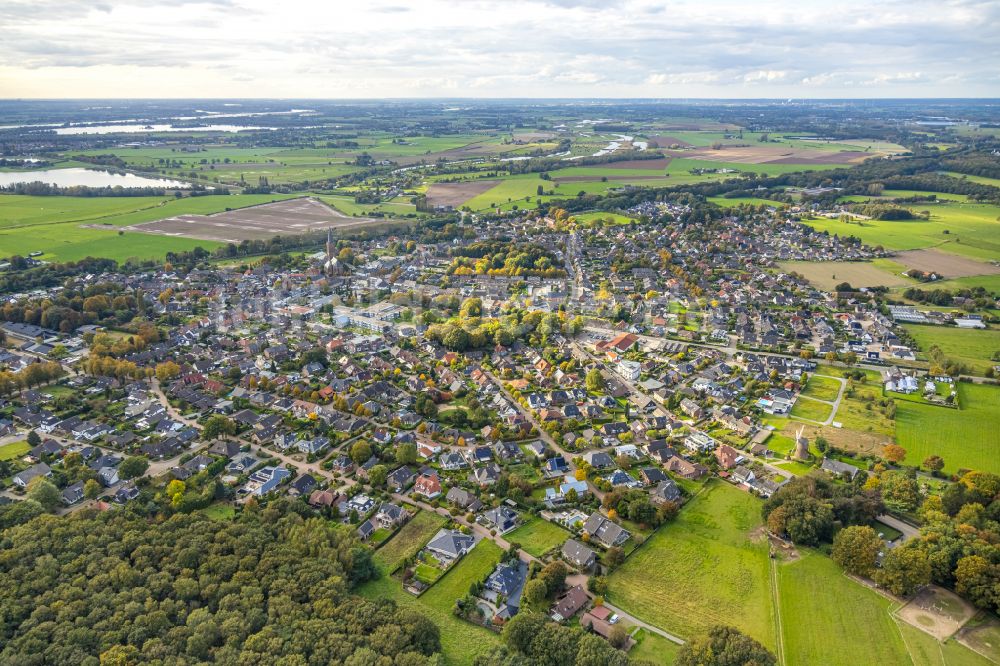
(517, 48)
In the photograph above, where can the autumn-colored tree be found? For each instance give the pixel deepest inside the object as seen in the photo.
(894, 453)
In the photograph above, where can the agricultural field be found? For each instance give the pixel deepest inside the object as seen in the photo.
(973, 347)
(828, 274)
(538, 536)
(707, 567)
(966, 438)
(72, 228)
(971, 230)
(408, 540)
(461, 641)
(732, 202)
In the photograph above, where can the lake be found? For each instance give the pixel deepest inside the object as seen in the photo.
(88, 177)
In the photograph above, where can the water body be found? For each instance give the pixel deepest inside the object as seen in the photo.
(138, 129)
(86, 177)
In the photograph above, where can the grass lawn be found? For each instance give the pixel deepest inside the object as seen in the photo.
(795, 467)
(219, 511)
(822, 388)
(968, 437)
(973, 347)
(653, 648)
(14, 450)
(427, 574)
(378, 536)
(702, 569)
(537, 536)
(855, 621)
(925, 650)
(461, 641)
(408, 540)
(888, 532)
(805, 408)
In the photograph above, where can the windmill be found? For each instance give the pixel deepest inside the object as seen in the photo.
(801, 445)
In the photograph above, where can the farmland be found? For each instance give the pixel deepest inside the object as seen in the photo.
(537, 536)
(965, 438)
(702, 569)
(55, 225)
(973, 347)
(828, 274)
(409, 540)
(460, 640)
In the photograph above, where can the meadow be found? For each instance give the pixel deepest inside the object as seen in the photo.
(811, 410)
(703, 569)
(461, 641)
(408, 540)
(14, 450)
(822, 388)
(974, 347)
(537, 536)
(965, 438)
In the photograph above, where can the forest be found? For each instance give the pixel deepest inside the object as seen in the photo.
(270, 587)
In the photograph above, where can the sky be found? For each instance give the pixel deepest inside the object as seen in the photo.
(499, 48)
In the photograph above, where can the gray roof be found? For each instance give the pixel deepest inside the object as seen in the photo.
(451, 542)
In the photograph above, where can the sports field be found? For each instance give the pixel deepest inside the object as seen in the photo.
(703, 569)
(966, 438)
(974, 347)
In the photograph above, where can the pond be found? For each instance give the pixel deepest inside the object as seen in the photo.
(86, 177)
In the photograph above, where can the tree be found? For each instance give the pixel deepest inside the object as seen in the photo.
(904, 569)
(133, 467)
(406, 454)
(91, 489)
(167, 370)
(361, 451)
(978, 580)
(34, 439)
(724, 646)
(44, 492)
(899, 491)
(553, 575)
(618, 636)
(856, 549)
(377, 475)
(535, 591)
(933, 463)
(894, 453)
(219, 426)
(595, 380)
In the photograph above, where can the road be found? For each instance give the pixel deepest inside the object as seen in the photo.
(909, 531)
(645, 625)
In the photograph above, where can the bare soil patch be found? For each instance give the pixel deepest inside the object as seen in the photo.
(937, 611)
(766, 154)
(945, 264)
(281, 218)
(456, 194)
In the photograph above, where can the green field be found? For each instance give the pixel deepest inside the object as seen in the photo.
(966, 438)
(727, 202)
(14, 450)
(461, 641)
(822, 388)
(973, 347)
(219, 511)
(855, 621)
(812, 410)
(537, 536)
(409, 540)
(53, 225)
(973, 230)
(653, 648)
(701, 570)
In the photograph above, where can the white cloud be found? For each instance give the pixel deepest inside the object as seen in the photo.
(496, 48)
